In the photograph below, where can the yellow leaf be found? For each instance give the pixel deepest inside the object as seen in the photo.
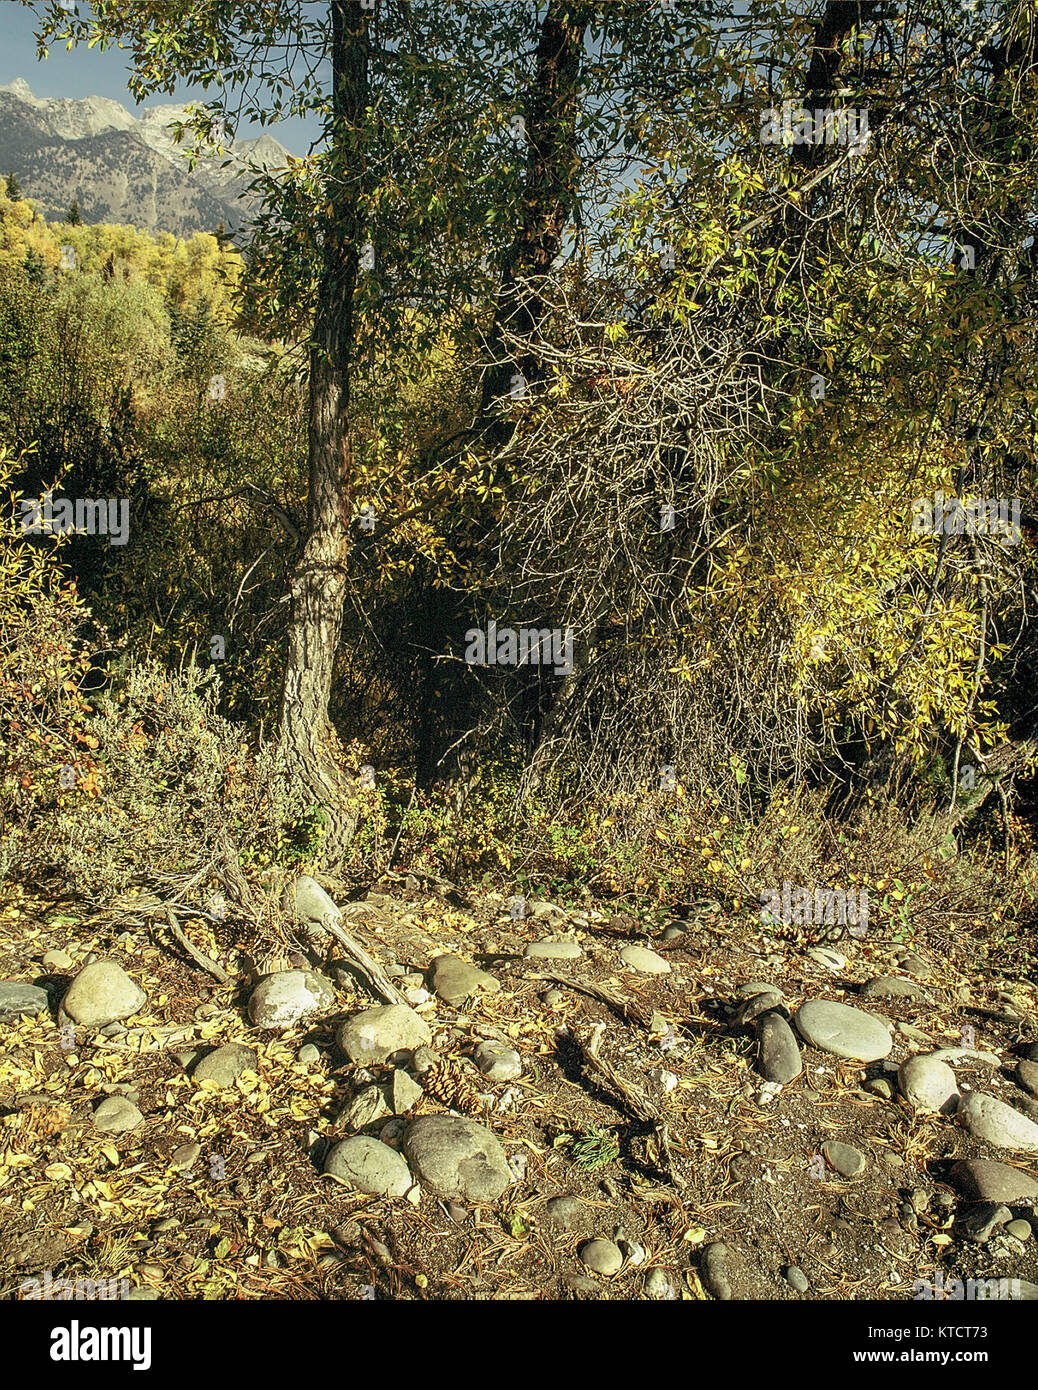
(715, 866)
(111, 1154)
(57, 1172)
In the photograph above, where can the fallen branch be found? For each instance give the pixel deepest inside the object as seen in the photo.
(376, 979)
(627, 1009)
(199, 957)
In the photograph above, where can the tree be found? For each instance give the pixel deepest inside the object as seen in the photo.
(74, 217)
(14, 188)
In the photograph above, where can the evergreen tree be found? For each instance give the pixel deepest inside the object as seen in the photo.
(74, 217)
(14, 188)
(35, 268)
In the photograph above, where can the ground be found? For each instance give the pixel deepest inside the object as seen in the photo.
(255, 1218)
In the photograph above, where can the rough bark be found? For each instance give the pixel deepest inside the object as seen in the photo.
(310, 748)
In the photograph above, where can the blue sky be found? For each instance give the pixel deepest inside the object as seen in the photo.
(90, 73)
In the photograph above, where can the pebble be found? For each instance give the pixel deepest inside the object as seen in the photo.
(995, 1122)
(103, 993)
(979, 1221)
(633, 1253)
(116, 1115)
(715, 1271)
(404, 1093)
(379, 1034)
(168, 1223)
(281, 1000)
(928, 1085)
(881, 1086)
(778, 1054)
(658, 1286)
(891, 987)
(1020, 1229)
(831, 960)
(747, 991)
(369, 1166)
(602, 1256)
(913, 964)
(920, 1200)
(564, 1211)
(986, 1180)
(966, 1054)
(916, 1034)
(566, 949)
(843, 1031)
(18, 1000)
(673, 934)
(797, 1279)
(185, 1156)
(143, 1295)
(366, 1108)
(643, 960)
(848, 1161)
(455, 980)
(392, 1132)
(226, 1064)
(553, 998)
(497, 1061)
(768, 1002)
(308, 1054)
(457, 1158)
(58, 960)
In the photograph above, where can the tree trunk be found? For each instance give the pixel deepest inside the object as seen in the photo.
(548, 199)
(310, 748)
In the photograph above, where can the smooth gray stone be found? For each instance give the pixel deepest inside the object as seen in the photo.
(848, 1161)
(831, 960)
(103, 993)
(1020, 1229)
(19, 1001)
(995, 1122)
(986, 1180)
(455, 980)
(282, 999)
(643, 960)
(914, 964)
(116, 1115)
(308, 1054)
(378, 1034)
(979, 1221)
(715, 1271)
(498, 1062)
(564, 1211)
(313, 903)
(759, 1004)
(404, 1094)
(658, 1287)
(457, 1158)
(370, 1166)
(1027, 1075)
(797, 1279)
(928, 1085)
(891, 987)
(567, 949)
(843, 1031)
(778, 1054)
(226, 1064)
(602, 1256)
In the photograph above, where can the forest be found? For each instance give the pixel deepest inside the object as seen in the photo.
(524, 653)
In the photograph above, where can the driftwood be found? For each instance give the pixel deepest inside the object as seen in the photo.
(627, 1009)
(376, 979)
(199, 957)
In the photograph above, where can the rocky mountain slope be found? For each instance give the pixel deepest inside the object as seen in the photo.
(122, 168)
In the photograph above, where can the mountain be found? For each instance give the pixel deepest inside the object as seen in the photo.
(123, 168)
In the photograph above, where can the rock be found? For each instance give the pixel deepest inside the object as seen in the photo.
(312, 903)
(920, 1200)
(985, 1180)
(916, 1034)
(18, 1000)
(404, 1093)
(831, 960)
(602, 1256)
(392, 1132)
(777, 1051)
(498, 1062)
(282, 999)
(369, 1166)
(379, 1034)
(564, 1212)
(632, 1252)
(58, 960)
(891, 987)
(553, 999)
(566, 949)
(749, 1009)
(366, 1108)
(456, 1158)
(142, 1294)
(928, 1084)
(455, 980)
(843, 1031)
(848, 1161)
(881, 1086)
(103, 993)
(715, 1271)
(966, 1054)
(914, 964)
(185, 1156)
(116, 1115)
(1030, 1052)
(673, 934)
(308, 1054)
(748, 991)
(797, 1279)
(977, 1224)
(658, 1286)
(226, 1064)
(580, 1283)
(646, 962)
(1020, 1229)
(1027, 1075)
(995, 1122)
(543, 911)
